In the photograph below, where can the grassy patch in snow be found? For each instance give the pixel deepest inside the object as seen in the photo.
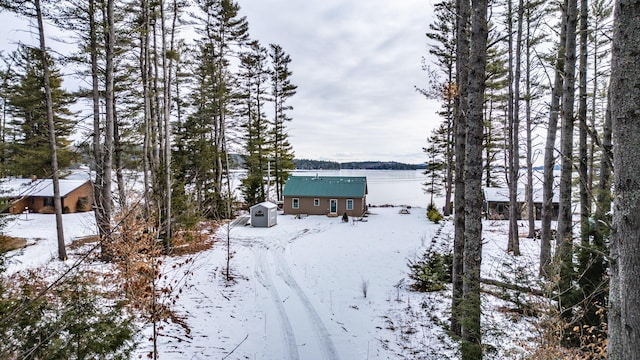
(8, 243)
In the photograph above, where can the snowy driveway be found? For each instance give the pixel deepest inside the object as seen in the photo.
(299, 290)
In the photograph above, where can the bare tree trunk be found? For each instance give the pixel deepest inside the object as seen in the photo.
(450, 153)
(145, 71)
(512, 181)
(101, 220)
(461, 108)
(57, 201)
(109, 113)
(471, 331)
(118, 151)
(532, 213)
(564, 245)
(585, 186)
(624, 322)
(514, 212)
(549, 154)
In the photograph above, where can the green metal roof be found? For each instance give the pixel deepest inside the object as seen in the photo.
(326, 186)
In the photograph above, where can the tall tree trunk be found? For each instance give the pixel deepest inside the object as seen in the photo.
(450, 149)
(118, 159)
(109, 113)
(549, 154)
(624, 322)
(98, 150)
(512, 176)
(57, 201)
(471, 332)
(564, 245)
(146, 74)
(531, 209)
(589, 263)
(585, 186)
(514, 212)
(461, 113)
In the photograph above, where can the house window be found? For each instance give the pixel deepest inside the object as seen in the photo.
(48, 201)
(295, 203)
(349, 204)
(500, 208)
(316, 202)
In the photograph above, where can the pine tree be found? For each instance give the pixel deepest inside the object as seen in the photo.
(624, 296)
(253, 77)
(30, 154)
(436, 170)
(471, 302)
(282, 91)
(442, 87)
(223, 33)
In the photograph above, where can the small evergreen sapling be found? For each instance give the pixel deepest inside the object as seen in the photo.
(433, 214)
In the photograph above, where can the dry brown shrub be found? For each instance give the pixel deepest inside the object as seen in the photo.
(82, 241)
(8, 243)
(553, 332)
(193, 241)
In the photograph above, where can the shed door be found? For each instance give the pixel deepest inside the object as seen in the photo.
(333, 206)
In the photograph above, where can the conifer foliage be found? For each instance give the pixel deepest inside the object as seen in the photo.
(30, 154)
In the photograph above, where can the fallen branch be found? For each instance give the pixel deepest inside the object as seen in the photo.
(522, 289)
(237, 346)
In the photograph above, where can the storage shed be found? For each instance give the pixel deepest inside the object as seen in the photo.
(264, 214)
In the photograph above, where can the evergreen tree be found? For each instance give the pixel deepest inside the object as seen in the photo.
(471, 302)
(436, 162)
(442, 37)
(282, 90)
(30, 154)
(223, 33)
(495, 119)
(253, 77)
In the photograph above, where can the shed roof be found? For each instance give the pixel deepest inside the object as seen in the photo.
(15, 187)
(265, 204)
(502, 195)
(326, 186)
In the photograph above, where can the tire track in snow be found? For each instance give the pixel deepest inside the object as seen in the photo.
(322, 334)
(263, 274)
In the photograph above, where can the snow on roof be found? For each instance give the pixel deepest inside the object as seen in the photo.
(15, 187)
(502, 195)
(266, 204)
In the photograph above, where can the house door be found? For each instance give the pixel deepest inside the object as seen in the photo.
(333, 206)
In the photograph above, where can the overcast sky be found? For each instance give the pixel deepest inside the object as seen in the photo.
(355, 63)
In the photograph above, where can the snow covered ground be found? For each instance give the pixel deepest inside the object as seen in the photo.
(299, 289)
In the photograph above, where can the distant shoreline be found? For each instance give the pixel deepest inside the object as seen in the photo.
(306, 164)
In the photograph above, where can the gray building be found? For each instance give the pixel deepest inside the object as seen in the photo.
(264, 214)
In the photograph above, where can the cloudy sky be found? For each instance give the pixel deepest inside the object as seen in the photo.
(355, 63)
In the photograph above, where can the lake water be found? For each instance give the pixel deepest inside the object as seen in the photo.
(394, 187)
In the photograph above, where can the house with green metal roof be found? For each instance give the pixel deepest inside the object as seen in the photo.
(325, 195)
